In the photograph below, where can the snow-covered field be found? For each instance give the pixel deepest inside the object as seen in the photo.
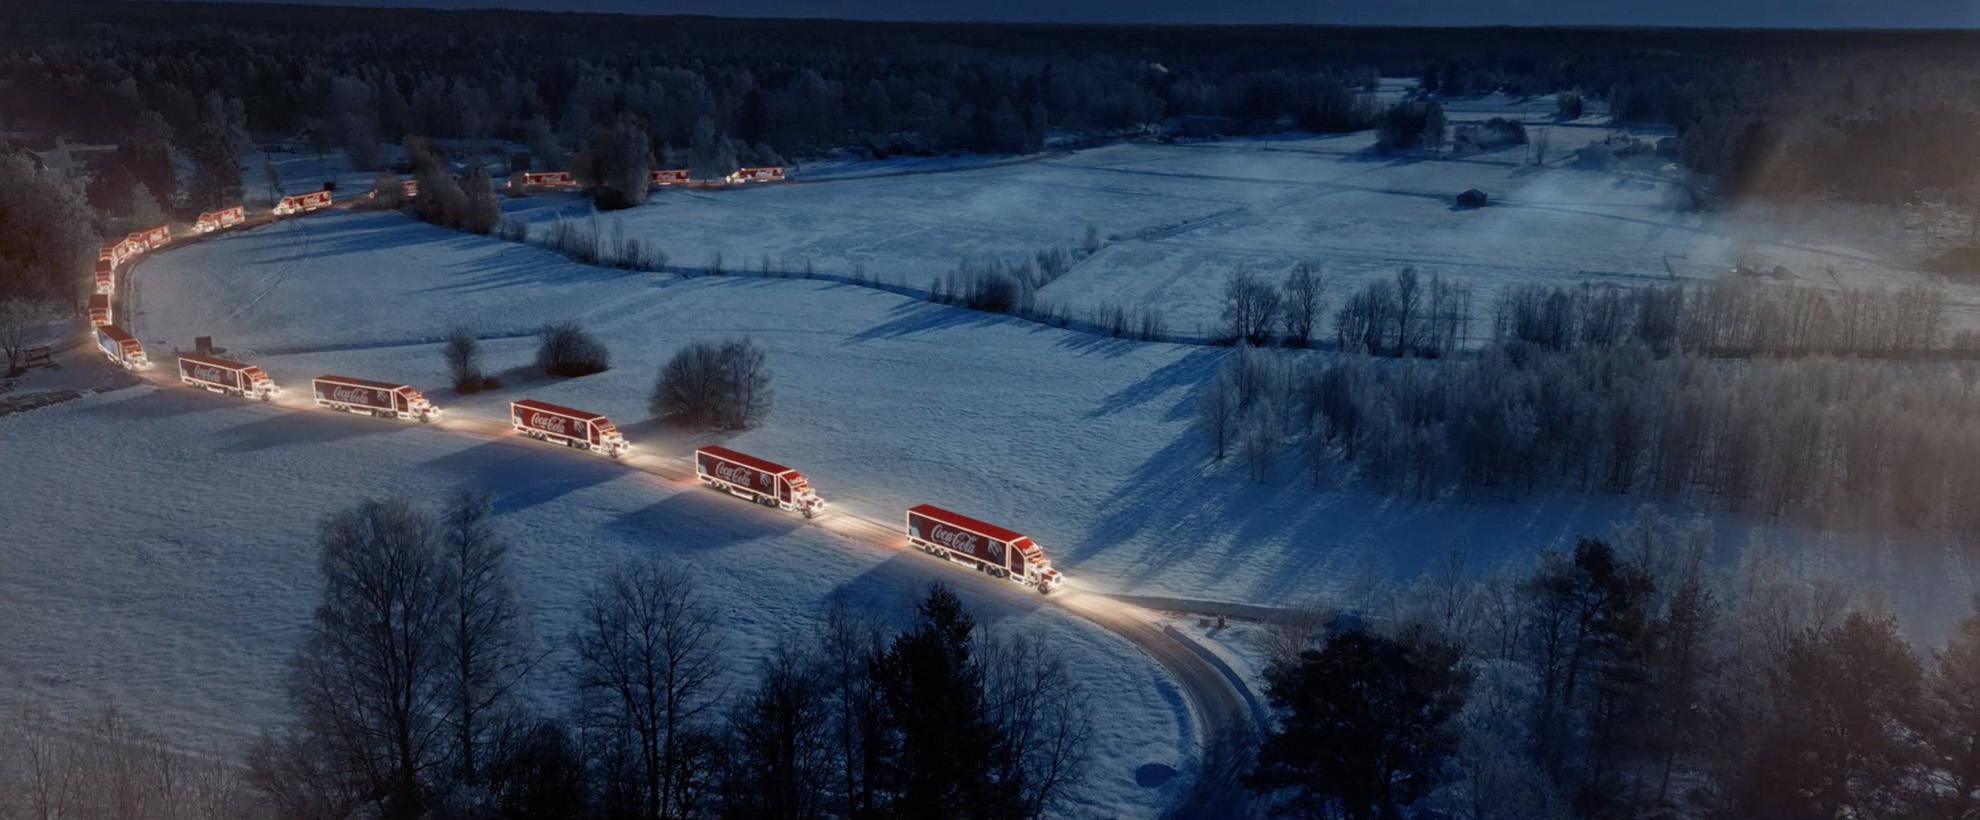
(162, 556)
(1174, 219)
(884, 401)
(159, 557)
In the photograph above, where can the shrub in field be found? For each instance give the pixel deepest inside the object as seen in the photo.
(564, 349)
(706, 385)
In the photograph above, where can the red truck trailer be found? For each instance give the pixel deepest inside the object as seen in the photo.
(382, 399)
(121, 348)
(547, 179)
(106, 276)
(409, 187)
(752, 478)
(771, 174)
(671, 176)
(220, 220)
(990, 548)
(99, 309)
(135, 241)
(571, 428)
(302, 203)
(157, 237)
(227, 377)
(115, 252)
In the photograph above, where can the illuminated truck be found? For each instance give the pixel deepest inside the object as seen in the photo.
(302, 203)
(121, 348)
(571, 428)
(220, 220)
(157, 237)
(106, 276)
(227, 377)
(381, 399)
(753, 479)
(671, 176)
(771, 174)
(547, 179)
(99, 309)
(409, 187)
(987, 547)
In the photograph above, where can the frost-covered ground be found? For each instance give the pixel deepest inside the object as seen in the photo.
(1175, 218)
(158, 557)
(884, 401)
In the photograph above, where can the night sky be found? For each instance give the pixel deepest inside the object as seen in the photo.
(1781, 13)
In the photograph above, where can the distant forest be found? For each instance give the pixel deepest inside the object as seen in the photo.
(1869, 116)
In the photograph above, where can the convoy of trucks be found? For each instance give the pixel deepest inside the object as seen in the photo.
(989, 548)
(571, 428)
(226, 377)
(753, 479)
(998, 552)
(302, 203)
(382, 399)
(121, 348)
(546, 179)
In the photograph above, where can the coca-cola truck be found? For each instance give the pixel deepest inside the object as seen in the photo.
(547, 179)
(571, 428)
(990, 548)
(771, 174)
(753, 479)
(302, 203)
(226, 377)
(99, 309)
(409, 187)
(106, 276)
(158, 237)
(121, 348)
(135, 241)
(219, 220)
(670, 176)
(382, 399)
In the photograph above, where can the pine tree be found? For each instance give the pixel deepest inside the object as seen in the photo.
(940, 748)
(1365, 725)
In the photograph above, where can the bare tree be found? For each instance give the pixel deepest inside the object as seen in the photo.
(17, 320)
(648, 652)
(1251, 308)
(1258, 440)
(367, 682)
(1304, 302)
(849, 643)
(1217, 412)
(1408, 298)
(1046, 719)
(781, 755)
(463, 353)
(485, 634)
(565, 349)
(705, 385)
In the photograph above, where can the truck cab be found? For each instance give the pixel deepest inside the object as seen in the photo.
(803, 498)
(1038, 570)
(610, 440)
(258, 385)
(417, 406)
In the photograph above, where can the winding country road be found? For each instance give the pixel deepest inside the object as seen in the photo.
(1222, 718)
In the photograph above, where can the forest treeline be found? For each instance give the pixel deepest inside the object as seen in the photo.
(1633, 675)
(1864, 115)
